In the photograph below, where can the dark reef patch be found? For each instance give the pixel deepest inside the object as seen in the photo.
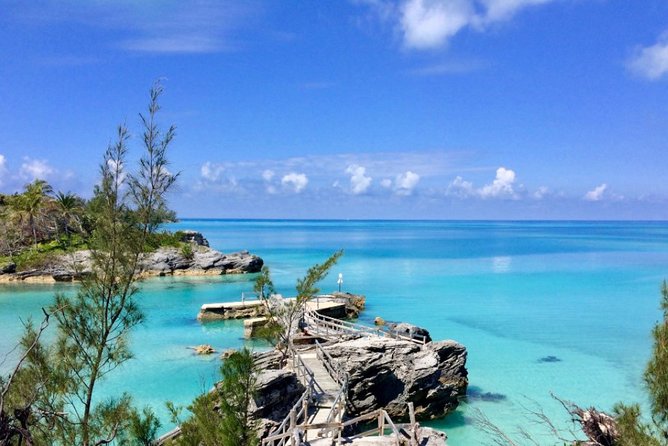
(476, 393)
(549, 359)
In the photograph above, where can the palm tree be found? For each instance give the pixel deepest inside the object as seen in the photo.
(29, 205)
(69, 207)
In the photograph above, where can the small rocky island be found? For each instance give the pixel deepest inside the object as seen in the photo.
(198, 260)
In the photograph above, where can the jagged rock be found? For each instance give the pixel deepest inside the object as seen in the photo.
(388, 373)
(410, 330)
(277, 392)
(269, 360)
(162, 262)
(194, 237)
(7, 268)
(204, 349)
(227, 353)
(355, 303)
(379, 321)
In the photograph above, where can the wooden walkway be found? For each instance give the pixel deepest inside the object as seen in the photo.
(333, 329)
(317, 418)
(329, 389)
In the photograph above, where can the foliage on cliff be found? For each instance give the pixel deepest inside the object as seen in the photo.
(38, 224)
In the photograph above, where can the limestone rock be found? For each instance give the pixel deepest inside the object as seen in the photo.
(194, 237)
(227, 353)
(161, 262)
(277, 392)
(388, 373)
(204, 349)
(410, 330)
(379, 321)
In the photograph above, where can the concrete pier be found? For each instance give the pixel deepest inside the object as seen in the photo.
(326, 305)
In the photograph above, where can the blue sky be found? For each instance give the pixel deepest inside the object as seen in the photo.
(489, 109)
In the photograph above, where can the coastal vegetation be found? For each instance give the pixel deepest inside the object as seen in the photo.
(223, 416)
(635, 428)
(38, 224)
(50, 396)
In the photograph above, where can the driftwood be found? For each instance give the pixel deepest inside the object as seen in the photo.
(599, 427)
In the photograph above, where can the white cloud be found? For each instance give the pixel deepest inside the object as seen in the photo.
(359, 182)
(386, 183)
(296, 181)
(211, 171)
(452, 67)
(406, 182)
(113, 167)
(596, 194)
(3, 168)
(427, 24)
(651, 62)
(268, 174)
(33, 169)
(201, 26)
(501, 187)
(460, 188)
(541, 192)
(430, 23)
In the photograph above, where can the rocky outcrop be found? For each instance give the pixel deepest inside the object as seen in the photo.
(204, 261)
(408, 330)
(194, 237)
(7, 268)
(162, 262)
(277, 392)
(388, 373)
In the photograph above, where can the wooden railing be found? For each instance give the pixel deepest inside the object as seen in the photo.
(332, 367)
(329, 326)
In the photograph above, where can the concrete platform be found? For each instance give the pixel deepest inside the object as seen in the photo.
(255, 309)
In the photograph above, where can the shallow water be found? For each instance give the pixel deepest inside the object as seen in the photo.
(542, 307)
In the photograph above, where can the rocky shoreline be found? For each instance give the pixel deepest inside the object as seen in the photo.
(200, 260)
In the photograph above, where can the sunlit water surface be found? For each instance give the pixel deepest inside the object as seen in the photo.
(542, 307)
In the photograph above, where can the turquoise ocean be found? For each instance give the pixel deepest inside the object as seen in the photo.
(542, 307)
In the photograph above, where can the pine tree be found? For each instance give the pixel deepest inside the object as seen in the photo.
(634, 429)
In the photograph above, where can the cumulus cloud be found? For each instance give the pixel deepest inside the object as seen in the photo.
(406, 182)
(460, 188)
(359, 181)
(268, 174)
(427, 24)
(651, 62)
(502, 186)
(33, 169)
(295, 181)
(597, 193)
(386, 183)
(3, 168)
(212, 171)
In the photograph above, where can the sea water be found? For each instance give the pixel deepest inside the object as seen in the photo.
(563, 308)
